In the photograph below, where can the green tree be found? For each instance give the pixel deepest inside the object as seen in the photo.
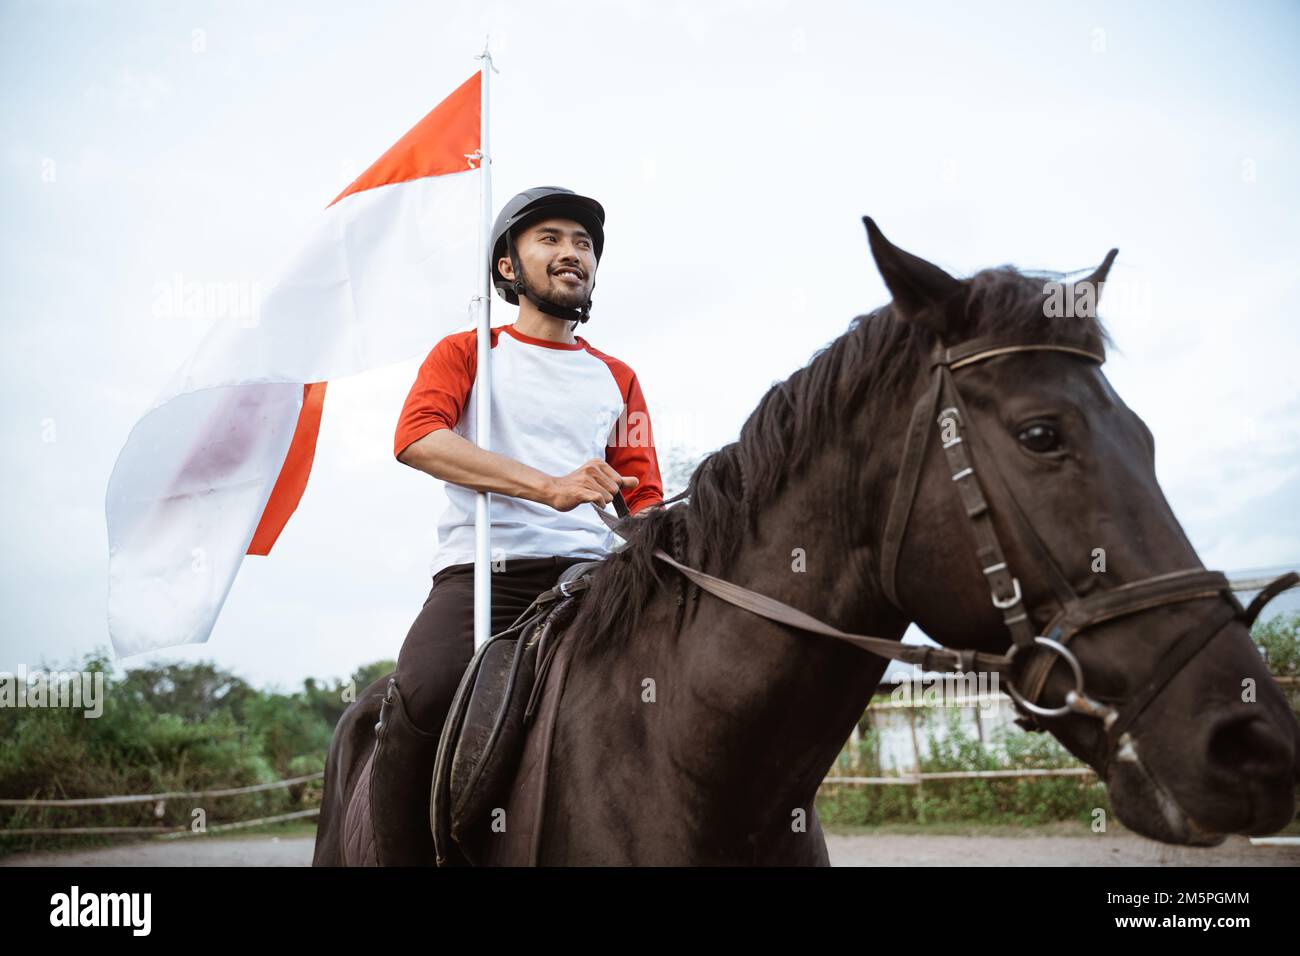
(1278, 639)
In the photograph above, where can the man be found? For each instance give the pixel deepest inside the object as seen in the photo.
(569, 426)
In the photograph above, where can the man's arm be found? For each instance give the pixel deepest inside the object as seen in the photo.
(446, 455)
(630, 450)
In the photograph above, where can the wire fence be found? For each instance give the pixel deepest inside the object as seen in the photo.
(160, 801)
(170, 795)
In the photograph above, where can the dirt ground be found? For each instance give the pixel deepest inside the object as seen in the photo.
(1042, 847)
(191, 851)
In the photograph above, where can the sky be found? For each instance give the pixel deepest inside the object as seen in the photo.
(735, 147)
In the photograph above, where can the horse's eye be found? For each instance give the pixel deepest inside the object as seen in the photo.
(1040, 438)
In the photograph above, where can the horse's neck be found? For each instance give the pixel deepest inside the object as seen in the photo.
(791, 697)
(747, 716)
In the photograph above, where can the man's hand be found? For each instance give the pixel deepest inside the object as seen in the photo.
(595, 481)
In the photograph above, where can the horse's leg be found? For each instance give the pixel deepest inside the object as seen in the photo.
(799, 848)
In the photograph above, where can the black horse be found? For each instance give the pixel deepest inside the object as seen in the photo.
(692, 731)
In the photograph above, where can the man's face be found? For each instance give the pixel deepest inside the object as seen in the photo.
(558, 258)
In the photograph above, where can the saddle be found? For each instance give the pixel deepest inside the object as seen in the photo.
(483, 737)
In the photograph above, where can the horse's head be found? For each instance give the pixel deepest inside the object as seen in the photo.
(1026, 506)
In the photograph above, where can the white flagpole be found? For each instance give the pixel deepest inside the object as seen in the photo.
(483, 379)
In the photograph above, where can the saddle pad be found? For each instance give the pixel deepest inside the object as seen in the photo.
(358, 837)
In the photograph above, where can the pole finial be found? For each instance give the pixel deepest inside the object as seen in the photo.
(487, 53)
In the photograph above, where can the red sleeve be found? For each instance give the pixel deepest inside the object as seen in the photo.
(441, 389)
(631, 450)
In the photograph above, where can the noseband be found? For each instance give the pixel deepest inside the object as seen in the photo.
(1031, 658)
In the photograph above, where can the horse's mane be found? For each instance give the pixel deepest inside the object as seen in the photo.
(878, 354)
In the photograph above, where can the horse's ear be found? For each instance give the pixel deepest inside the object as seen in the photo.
(923, 293)
(1098, 276)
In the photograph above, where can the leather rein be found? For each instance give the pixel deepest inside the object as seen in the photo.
(1077, 613)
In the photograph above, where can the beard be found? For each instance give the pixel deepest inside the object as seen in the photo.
(559, 291)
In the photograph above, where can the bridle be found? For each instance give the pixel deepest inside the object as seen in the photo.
(1029, 661)
(1076, 614)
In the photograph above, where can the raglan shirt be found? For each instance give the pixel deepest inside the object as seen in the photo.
(555, 406)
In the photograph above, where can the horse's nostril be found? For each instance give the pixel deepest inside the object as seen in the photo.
(1249, 744)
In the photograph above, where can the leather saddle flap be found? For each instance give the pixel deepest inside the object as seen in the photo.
(480, 731)
(483, 737)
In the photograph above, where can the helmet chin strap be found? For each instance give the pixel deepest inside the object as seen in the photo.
(581, 314)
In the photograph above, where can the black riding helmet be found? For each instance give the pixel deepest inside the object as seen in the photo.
(543, 202)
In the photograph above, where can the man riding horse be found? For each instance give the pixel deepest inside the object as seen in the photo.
(569, 426)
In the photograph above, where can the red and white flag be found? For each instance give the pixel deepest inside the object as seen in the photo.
(216, 467)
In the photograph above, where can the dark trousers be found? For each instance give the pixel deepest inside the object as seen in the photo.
(440, 644)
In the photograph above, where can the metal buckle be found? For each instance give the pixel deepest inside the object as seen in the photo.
(564, 587)
(1012, 601)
